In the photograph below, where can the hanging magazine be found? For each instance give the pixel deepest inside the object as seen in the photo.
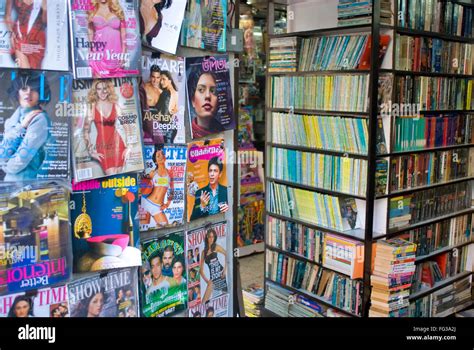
(162, 187)
(217, 307)
(34, 34)
(206, 182)
(105, 38)
(34, 125)
(207, 263)
(104, 223)
(209, 95)
(111, 294)
(35, 238)
(160, 23)
(163, 276)
(164, 87)
(46, 302)
(106, 128)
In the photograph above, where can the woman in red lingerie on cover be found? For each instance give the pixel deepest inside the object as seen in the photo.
(109, 148)
(28, 41)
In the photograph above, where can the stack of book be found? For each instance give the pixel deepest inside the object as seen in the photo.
(253, 300)
(276, 299)
(357, 12)
(283, 54)
(394, 266)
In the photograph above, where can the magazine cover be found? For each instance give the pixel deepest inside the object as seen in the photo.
(204, 25)
(34, 125)
(162, 187)
(106, 130)
(111, 294)
(164, 85)
(160, 23)
(207, 265)
(105, 38)
(34, 35)
(35, 239)
(104, 218)
(217, 307)
(206, 180)
(209, 95)
(163, 276)
(46, 302)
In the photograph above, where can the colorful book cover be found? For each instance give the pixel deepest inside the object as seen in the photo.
(106, 128)
(34, 237)
(111, 294)
(104, 218)
(349, 213)
(163, 276)
(34, 35)
(46, 302)
(205, 25)
(207, 262)
(209, 95)
(34, 125)
(206, 182)
(164, 86)
(160, 23)
(217, 307)
(105, 37)
(162, 187)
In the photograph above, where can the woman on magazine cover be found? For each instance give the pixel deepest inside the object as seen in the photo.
(22, 307)
(90, 307)
(203, 96)
(162, 181)
(107, 25)
(167, 104)
(26, 132)
(178, 269)
(28, 32)
(151, 18)
(216, 281)
(109, 148)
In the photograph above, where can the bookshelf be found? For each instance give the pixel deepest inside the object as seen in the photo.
(438, 176)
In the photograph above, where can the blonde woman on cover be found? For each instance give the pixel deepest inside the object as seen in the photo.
(109, 148)
(107, 25)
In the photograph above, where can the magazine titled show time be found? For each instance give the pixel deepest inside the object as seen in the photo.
(105, 37)
(34, 125)
(34, 34)
(106, 128)
(160, 23)
(110, 294)
(206, 181)
(162, 187)
(207, 263)
(104, 223)
(163, 276)
(164, 89)
(35, 241)
(209, 95)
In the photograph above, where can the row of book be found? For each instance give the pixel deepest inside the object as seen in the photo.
(392, 273)
(435, 93)
(356, 12)
(429, 131)
(424, 205)
(332, 287)
(445, 301)
(341, 174)
(321, 132)
(283, 56)
(441, 267)
(338, 213)
(326, 92)
(416, 170)
(424, 54)
(441, 234)
(438, 16)
(332, 251)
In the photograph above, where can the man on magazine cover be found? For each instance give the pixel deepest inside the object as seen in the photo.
(212, 198)
(153, 87)
(168, 256)
(159, 282)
